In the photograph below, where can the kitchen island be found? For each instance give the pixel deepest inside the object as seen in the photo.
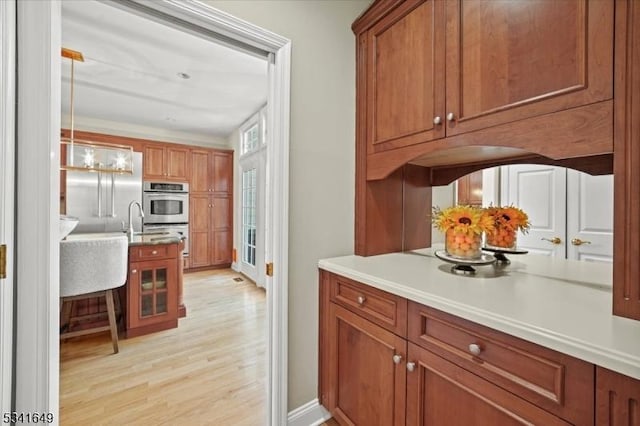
(152, 299)
(540, 328)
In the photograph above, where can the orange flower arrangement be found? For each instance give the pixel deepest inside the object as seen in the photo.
(463, 219)
(507, 221)
(463, 226)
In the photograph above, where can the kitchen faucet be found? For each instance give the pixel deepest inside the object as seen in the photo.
(131, 204)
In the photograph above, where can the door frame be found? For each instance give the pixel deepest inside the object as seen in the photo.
(37, 360)
(7, 192)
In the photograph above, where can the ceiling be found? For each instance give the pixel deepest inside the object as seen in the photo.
(132, 73)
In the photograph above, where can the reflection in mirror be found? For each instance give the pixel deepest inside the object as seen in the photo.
(571, 212)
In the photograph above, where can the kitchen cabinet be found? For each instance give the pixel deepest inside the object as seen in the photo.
(626, 180)
(211, 208)
(617, 399)
(532, 82)
(469, 189)
(152, 288)
(405, 75)
(211, 171)
(441, 393)
(503, 62)
(166, 162)
(386, 361)
(367, 386)
(442, 86)
(211, 221)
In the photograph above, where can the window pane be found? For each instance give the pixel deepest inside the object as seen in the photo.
(249, 215)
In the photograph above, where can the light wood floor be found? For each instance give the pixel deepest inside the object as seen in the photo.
(208, 371)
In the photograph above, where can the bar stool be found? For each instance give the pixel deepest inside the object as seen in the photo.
(92, 267)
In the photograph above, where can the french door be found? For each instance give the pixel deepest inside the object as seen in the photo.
(252, 220)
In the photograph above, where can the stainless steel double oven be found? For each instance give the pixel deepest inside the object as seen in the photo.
(166, 208)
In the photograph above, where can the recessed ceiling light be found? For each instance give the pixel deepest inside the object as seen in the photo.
(184, 75)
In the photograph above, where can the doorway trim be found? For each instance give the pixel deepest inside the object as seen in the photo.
(7, 191)
(37, 376)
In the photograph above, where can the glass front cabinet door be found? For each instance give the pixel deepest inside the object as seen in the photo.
(152, 293)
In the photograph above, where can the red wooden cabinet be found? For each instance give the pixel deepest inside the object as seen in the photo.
(166, 162)
(152, 289)
(211, 208)
(374, 370)
(441, 393)
(367, 387)
(617, 399)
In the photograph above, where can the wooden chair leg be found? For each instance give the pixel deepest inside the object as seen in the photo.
(112, 320)
(66, 315)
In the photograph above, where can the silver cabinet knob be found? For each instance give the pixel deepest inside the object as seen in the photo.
(437, 120)
(397, 358)
(475, 349)
(134, 271)
(451, 116)
(411, 366)
(154, 252)
(361, 300)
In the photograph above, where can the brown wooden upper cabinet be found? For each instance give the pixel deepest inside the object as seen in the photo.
(211, 171)
(162, 162)
(435, 69)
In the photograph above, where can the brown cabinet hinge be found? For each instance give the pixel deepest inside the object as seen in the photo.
(270, 269)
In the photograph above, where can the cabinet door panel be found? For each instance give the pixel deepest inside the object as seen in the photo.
(199, 172)
(200, 212)
(367, 387)
(153, 162)
(617, 399)
(221, 247)
(222, 172)
(221, 213)
(177, 163)
(441, 393)
(405, 86)
(153, 292)
(510, 60)
(199, 249)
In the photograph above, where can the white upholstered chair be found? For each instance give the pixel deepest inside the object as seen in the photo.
(92, 268)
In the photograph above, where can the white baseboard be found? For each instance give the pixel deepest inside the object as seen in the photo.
(309, 414)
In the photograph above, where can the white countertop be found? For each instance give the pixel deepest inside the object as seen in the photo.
(561, 304)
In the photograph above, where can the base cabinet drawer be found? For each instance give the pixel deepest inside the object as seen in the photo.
(442, 393)
(384, 309)
(559, 383)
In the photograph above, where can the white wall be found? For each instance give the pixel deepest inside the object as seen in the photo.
(322, 156)
(108, 127)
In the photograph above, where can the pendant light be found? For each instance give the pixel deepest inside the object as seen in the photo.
(87, 155)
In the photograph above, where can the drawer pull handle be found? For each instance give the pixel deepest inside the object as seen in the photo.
(154, 252)
(361, 300)
(411, 366)
(397, 359)
(475, 349)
